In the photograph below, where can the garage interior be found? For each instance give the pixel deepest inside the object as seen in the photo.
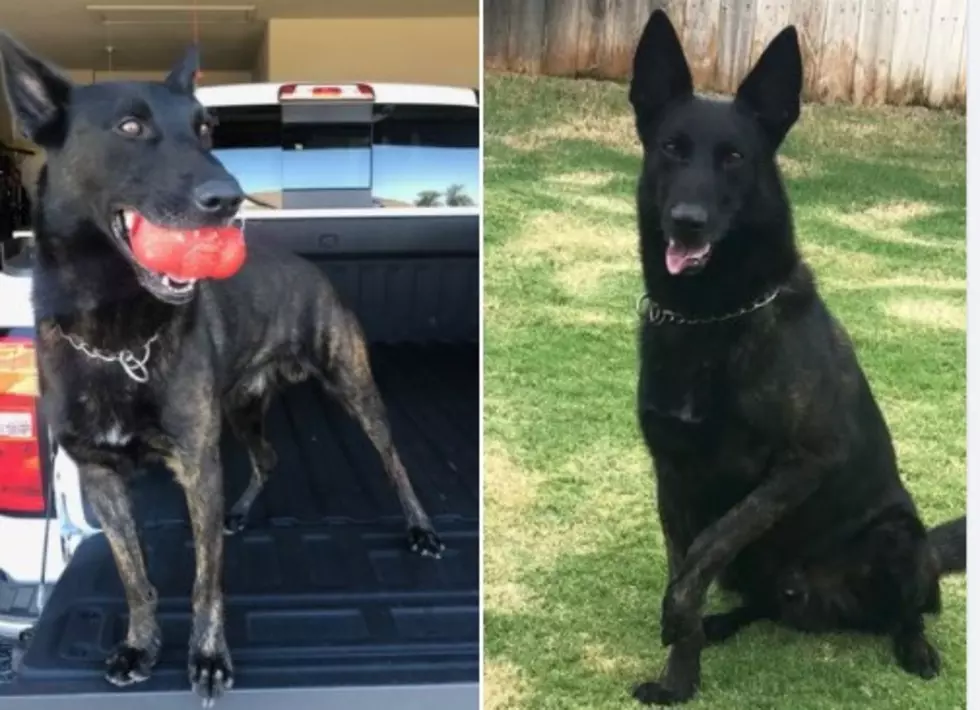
(418, 41)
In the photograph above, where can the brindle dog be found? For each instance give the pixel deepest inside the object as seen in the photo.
(135, 365)
(776, 473)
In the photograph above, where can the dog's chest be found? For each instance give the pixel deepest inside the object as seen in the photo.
(111, 431)
(679, 376)
(97, 403)
(708, 453)
(688, 406)
(108, 420)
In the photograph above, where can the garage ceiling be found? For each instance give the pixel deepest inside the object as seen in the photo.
(151, 35)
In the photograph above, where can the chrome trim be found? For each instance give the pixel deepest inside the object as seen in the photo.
(11, 627)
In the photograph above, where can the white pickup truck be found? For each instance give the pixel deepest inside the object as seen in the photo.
(380, 186)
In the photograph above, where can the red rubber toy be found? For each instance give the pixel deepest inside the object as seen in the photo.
(207, 253)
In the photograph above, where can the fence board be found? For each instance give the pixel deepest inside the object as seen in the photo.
(745, 28)
(835, 77)
(496, 33)
(527, 35)
(701, 41)
(944, 38)
(771, 16)
(866, 65)
(908, 51)
(937, 44)
(613, 57)
(957, 95)
(961, 74)
(860, 51)
(809, 18)
(561, 37)
(591, 20)
(727, 45)
(886, 46)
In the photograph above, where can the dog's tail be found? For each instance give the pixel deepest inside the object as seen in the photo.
(948, 542)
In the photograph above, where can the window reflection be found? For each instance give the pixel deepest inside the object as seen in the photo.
(412, 156)
(427, 156)
(321, 156)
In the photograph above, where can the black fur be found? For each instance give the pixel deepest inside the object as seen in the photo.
(776, 473)
(219, 349)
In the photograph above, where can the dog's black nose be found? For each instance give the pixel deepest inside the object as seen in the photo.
(217, 196)
(687, 215)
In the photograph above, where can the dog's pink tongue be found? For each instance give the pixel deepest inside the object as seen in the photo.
(680, 257)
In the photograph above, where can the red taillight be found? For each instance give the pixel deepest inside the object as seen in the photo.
(307, 92)
(21, 487)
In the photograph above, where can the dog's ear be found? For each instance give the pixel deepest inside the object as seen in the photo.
(660, 70)
(183, 76)
(37, 93)
(771, 91)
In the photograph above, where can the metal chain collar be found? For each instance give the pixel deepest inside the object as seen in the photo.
(134, 367)
(656, 314)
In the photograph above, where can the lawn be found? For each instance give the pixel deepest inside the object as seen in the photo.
(574, 560)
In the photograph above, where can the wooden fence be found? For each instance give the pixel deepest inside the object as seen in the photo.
(859, 51)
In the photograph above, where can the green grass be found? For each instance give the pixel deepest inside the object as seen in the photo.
(575, 567)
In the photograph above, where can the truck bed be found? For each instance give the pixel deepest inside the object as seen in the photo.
(322, 592)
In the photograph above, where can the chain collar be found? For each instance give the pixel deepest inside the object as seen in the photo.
(134, 367)
(655, 314)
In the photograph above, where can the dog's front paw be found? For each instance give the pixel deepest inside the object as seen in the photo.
(211, 674)
(425, 542)
(917, 656)
(127, 665)
(654, 693)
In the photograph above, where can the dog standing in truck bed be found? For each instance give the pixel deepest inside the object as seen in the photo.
(138, 364)
(776, 473)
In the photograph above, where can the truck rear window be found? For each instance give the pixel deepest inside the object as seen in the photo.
(409, 156)
(427, 156)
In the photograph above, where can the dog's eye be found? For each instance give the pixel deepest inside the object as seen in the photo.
(131, 128)
(731, 157)
(671, 149)
(204, 130)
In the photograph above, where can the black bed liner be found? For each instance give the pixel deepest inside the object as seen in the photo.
(321, 589)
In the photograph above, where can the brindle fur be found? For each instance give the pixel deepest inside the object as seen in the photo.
(223, 352)
(776, 473)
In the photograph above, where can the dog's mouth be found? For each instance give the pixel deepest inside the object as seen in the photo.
(685, 258)
(167, 287)
(171, 260)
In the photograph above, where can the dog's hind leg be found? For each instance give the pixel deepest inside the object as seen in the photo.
(913, 651)
(884, 584)
(247, 422)
(131, 661)
(348, 378)
(908, 586)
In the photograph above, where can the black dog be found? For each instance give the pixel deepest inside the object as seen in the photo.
(776, 473)
(136, 365)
